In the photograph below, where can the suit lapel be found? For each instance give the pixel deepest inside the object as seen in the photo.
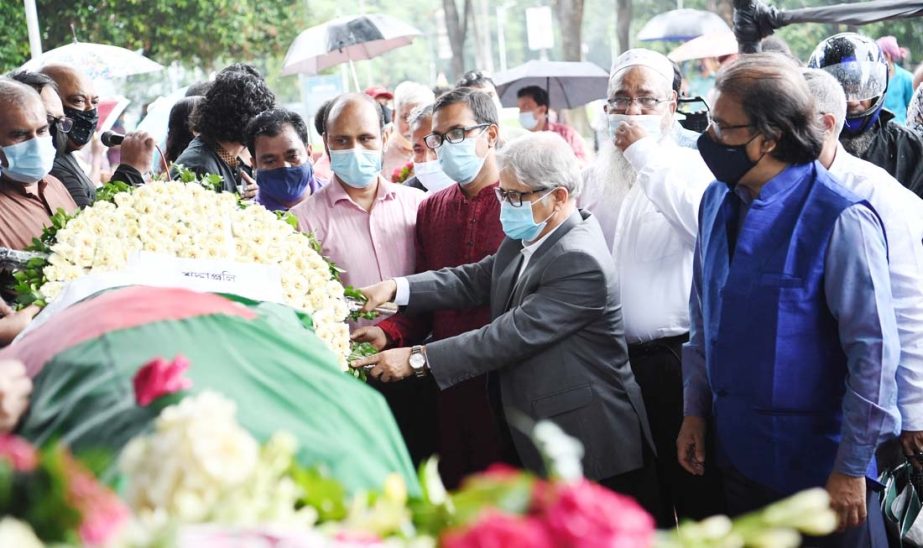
(543, 252)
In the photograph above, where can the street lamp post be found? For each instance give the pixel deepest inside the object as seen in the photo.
(35, 39)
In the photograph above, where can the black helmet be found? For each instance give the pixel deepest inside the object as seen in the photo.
(858, 64)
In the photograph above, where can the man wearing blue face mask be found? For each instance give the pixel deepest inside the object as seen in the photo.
(29, 196)
(645, 190)
(363, 222)
(554, 348)
(456, 225)
(276, 140)
(533, 106)
(794, 344)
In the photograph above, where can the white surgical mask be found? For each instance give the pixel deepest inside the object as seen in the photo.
(527, 120)
(431, 176)
(652, 123)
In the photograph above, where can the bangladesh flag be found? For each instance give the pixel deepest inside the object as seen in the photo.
(263, 356)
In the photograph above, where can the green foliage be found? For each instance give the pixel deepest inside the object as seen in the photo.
(108, 192)
(321, 492)
(195, 32)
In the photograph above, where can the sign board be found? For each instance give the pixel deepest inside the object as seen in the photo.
(539, 28)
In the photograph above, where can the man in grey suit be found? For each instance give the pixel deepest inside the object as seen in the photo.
(555, 347)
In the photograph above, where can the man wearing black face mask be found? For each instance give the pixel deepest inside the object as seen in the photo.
(75, 127)
(793, 342)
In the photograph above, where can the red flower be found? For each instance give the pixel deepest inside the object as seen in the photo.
(587, 515)
(496, 530)
(19, 453)
(160, 378)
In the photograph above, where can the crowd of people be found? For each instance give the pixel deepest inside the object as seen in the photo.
(721, 319)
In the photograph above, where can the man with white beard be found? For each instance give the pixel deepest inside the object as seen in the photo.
(645, 190)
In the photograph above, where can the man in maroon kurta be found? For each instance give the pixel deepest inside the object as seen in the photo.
(455, 226)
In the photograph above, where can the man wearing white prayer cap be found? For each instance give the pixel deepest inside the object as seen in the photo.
(645, 190)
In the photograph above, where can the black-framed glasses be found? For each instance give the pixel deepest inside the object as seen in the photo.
(63, 123)
(718, 128)
(514, 197)
(623, 103)
(453, 136)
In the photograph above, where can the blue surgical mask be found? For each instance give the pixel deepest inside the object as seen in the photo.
(356, 167)
(527, 120)
(29, 161)
(284, 185)
(519, 222)
(460, 161)
(431, 176)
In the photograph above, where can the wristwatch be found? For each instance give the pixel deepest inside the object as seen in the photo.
(418, 361)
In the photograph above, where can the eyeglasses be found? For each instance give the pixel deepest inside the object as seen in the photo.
(514, 197)
(453, 136)
(623, 103)
(63, 123)
(718, 128)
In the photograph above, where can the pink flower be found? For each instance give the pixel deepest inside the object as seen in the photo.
(499, 472)
(102, 513)
(357, 538)
(587, 515)
(19, 453)
(160, 378)
(497, 530)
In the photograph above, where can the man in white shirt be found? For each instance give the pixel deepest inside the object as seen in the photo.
(645, 190)
(901, 213)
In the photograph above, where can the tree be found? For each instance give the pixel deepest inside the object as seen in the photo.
(199, 32)
(570, 18)
(623, 23)
(457, 30)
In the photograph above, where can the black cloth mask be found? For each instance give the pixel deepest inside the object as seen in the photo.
(84, 125)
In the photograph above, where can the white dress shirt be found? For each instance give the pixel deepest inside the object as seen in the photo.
(655, 238)
(901, 213)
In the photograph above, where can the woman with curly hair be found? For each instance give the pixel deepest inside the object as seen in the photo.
(234, 98)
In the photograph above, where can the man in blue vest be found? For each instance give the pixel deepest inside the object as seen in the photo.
(793, 342)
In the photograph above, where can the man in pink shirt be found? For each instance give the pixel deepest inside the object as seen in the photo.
(364, 223)
(533, 106)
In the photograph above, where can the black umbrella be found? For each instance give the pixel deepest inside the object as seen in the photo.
(755, 20)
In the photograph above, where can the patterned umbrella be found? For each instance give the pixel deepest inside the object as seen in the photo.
(713, 44)
(98, 61)
(345, 40)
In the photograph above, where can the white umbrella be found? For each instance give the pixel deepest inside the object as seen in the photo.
(98, 61)
(714, 44)
(681, 25)
(344, 40)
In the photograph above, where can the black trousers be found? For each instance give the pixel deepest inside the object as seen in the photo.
(640, 484)
(745, 495)
(657, 367)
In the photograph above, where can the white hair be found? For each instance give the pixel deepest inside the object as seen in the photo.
(542, 160)
(412, 93)
(16, 94)
(420, 113)
(829, 97)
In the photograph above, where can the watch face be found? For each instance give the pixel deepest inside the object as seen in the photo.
(417, 361)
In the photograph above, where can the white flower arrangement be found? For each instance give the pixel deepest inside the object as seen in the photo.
(187, 220)
(200, 466)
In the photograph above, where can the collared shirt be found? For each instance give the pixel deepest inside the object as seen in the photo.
(570, 135)
(901, 212)
(24, 213)
(370, 246)
(529, 249)
(654, 238)
(452, 230)
(857, 289)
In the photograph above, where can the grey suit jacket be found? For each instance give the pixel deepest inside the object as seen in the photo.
(555, 342)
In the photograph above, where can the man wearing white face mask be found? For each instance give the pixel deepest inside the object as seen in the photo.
(646, 191)
(533, 103)
(427, 173)
(363, 222)
(29, 196)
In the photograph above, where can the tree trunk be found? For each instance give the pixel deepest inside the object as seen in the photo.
(725, 8)
(623, 24)
(570, 18)
(457, 29)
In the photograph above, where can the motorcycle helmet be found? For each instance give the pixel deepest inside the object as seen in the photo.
(857, 63)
